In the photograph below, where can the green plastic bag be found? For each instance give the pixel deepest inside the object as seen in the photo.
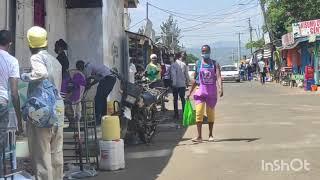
(189, 115)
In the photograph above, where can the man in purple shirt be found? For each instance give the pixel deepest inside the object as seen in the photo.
(100, 74)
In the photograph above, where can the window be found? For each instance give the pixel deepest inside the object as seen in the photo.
(229, 68)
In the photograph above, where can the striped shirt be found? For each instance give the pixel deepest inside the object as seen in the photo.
(9, 68)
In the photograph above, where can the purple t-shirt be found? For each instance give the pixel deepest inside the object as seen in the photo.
(78, 81)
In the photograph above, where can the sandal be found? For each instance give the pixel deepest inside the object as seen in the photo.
(197, 140)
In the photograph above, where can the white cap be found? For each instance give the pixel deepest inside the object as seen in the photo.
(153, 56)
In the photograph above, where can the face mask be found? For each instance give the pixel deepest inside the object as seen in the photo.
(205, 56)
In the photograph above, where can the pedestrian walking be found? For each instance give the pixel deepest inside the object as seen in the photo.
(45, 138)
(101, 74)
(209, 85)
(263, 72)
(9, 75)
(167, 74)
(180, 80)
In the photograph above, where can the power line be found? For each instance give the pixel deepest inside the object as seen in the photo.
(194, 19)
(187, 28)
(195, 27)
(137, 24)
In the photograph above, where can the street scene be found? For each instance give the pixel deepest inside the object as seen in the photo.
(255, 124)
(168, 90)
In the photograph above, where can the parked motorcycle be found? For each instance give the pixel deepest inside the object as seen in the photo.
(138, 108)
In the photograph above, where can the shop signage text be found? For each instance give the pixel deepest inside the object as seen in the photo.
(306, 28)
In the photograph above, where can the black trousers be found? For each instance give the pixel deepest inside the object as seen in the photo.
(263, 77)
(179, 92)
(167, 83)
(103, 90)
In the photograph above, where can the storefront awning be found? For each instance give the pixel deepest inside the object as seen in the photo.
(298, 41)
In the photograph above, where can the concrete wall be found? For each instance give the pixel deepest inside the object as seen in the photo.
(24, 22)
(84, 35)
(114, 36)
(4, 14)
(55, 22)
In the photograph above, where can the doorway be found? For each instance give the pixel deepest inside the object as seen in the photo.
(39, 13)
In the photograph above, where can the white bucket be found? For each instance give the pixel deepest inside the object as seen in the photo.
(112, 155)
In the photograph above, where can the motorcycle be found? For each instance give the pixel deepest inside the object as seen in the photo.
(138, 108)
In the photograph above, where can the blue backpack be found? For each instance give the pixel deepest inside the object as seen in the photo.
(40, 107)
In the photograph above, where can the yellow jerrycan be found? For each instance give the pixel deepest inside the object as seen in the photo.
(110, 128)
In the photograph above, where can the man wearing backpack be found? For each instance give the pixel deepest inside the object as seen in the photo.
(45, 140)
(9, 75)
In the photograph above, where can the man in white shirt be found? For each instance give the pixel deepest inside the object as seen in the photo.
(180, 80)
(132, 71)
(100, 74)
(262, 72)
(9, 75)
(45, 144)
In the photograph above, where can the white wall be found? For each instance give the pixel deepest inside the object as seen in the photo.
(113, 35)
(24, 22)
(3, 14)
(84, 35)
(55, 22)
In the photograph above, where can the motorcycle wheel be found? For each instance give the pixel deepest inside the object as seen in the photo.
(147, 124)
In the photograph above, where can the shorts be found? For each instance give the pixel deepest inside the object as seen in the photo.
(200, 112)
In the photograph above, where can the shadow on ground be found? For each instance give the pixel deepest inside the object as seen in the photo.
(146, 162)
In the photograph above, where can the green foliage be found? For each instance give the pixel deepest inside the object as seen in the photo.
(171, 34)
(282, 13)
(191, 58)
(255, 44)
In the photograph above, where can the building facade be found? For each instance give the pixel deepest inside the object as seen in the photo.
(94, 30)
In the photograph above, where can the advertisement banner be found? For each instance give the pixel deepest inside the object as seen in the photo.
(306, 28)
(287, 40)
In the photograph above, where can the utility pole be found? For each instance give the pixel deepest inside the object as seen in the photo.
(147, 15)
(266, 20)
(250, 29)
(239, 47)
(233, 56)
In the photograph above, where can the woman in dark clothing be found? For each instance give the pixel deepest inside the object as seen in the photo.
(60, 48)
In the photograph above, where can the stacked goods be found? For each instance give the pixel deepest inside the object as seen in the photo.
(111, 146)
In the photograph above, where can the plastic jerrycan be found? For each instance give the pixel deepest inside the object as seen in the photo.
(110, 128)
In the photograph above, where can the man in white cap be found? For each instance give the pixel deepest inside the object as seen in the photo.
(45, 143)
(154, 69)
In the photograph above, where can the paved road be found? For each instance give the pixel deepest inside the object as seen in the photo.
(254, 124)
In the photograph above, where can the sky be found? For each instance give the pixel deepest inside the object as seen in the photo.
(202, 21)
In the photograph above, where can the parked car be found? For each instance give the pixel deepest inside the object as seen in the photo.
(191, 70)
(230, 73)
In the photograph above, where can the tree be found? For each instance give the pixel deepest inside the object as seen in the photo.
(191, 58)
(280, 14)
(171, 34)
(255, 44)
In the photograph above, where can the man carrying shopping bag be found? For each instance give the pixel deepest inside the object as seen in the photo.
(209, 83)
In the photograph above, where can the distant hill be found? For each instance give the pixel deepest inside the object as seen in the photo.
(222, 51)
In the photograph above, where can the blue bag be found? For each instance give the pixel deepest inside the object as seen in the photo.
(40, 107)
